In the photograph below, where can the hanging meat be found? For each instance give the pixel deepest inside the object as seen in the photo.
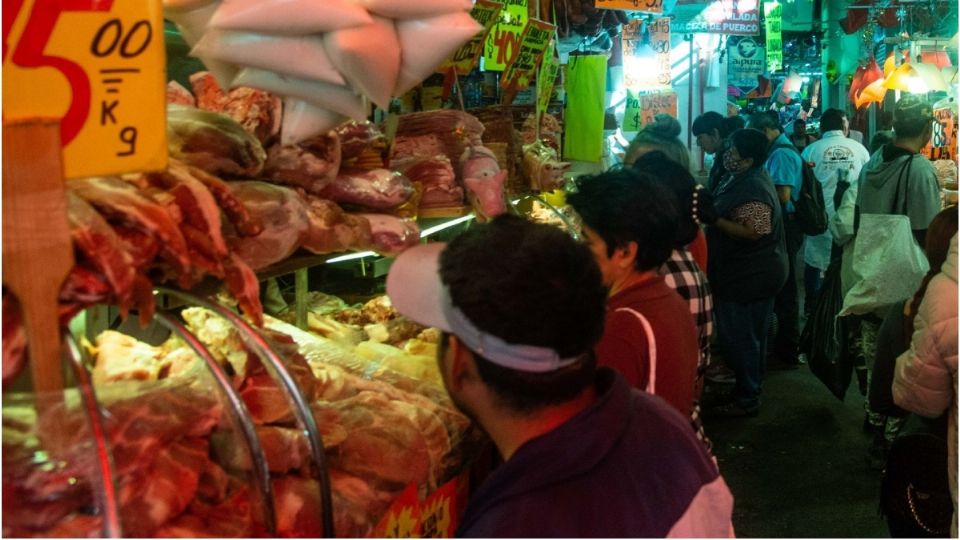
(378, 189)
(213, 142)
(285, 223)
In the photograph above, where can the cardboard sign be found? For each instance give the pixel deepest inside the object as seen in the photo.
(731, 17)
(773, 15)
(547, 77)
(465, 59)
(646, 56)
(653, 104)
(631, 114)
(503, 40)
(99, 67)
(649, 6)
(746, 61)
(437, 516)
(522, 70)
(943, 143)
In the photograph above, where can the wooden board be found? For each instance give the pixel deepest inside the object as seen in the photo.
(37, 252)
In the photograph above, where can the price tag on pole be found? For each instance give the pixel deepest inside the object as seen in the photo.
(522, 70)
(647, 6)
(503, 40)
(99, 67)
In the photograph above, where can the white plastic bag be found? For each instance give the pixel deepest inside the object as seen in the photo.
(340, 99)
(302, 120)
(290, 17)
(300, 56)
(369, 58)
(413, 9)
(425, 43)
(888, 265)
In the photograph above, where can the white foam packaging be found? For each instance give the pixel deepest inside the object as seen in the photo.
(290, 17)
(340, 99)
(368, 57)
(302, 120)
(414, 9)
(300, 56)
(426, 43)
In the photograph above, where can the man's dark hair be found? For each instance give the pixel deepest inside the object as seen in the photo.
(765, 120)
(832, 120)
(529, 284)
(624, 205)
(733, 123)
(879, 139)
(751, 143)
(678, 179)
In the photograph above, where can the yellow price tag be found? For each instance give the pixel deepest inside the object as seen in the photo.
(99, 67)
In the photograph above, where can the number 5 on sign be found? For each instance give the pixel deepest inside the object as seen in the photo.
(98, 66)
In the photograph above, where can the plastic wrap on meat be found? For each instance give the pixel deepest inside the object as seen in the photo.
(213, 142)
(484, 181)
(292, 17)
(257, 111)
(300, 56)
(456, 130)
(311, 165)
(355, 137)
(391, 235)
(438, 178)
(427, 40)
(285, 223)
(333, 230)
(369, 58)
(176, 93)
(379, 189)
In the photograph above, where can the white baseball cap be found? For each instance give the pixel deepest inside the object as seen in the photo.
(417, 291)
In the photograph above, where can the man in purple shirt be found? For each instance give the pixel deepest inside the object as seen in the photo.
(786, 168)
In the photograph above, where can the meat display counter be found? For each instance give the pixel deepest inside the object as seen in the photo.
(207, 426)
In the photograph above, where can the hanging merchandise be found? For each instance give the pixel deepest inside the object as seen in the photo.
(586, 77)
(646, 54)
(486, 13)
(547, 76)
(503, 41)
(521, 71)
(426, 42)
(108, 93)
(746, 61)
(773, 13)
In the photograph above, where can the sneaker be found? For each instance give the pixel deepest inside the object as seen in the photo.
(732, 410)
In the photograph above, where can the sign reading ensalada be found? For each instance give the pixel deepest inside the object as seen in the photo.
(732, 17)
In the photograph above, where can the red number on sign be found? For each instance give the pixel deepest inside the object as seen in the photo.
(29, 53)
(506, 46)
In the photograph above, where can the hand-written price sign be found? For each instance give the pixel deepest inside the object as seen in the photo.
(640, 70)
(98, 65)
(486, 13)
(521, 71)
(641, 109)
(773, 12)
(437, 516)
(649, 6)
(503, 40)
(943, 143)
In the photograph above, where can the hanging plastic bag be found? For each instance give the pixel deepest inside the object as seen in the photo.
(302, 120)
(888, 265)
(586, 88)
(300, 56)
(414, 9)
(290, 17)
(340, 99)
(369, 58)
(426, 43)
(822, 339)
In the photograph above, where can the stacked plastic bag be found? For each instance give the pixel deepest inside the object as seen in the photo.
(329, 59)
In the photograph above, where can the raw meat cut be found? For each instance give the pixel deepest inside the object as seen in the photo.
(379, 189)
(333, 230)
(355, 137)
(436, 175)
(391, 234)
(176, 93)
(257, 111)
(285, 221)
(243, 222)
(310, 165)
(213, 142)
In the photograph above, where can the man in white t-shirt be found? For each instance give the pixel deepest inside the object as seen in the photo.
(835, 158)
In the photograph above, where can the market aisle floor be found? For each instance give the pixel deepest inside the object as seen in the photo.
(798, 469)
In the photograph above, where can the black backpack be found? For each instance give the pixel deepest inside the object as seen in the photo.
(809, 208)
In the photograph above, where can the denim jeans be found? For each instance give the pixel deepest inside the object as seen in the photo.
(742, 334)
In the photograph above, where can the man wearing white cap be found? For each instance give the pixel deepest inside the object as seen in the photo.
(521, 307)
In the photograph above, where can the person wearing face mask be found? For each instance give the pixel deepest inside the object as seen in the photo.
(712, 131)
(747, 265)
